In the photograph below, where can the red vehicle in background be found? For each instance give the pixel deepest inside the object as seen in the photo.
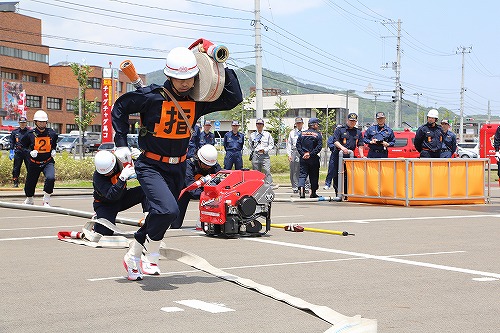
(403, 148)
(486, 137)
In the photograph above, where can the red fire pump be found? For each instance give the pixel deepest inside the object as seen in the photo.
(234, 202)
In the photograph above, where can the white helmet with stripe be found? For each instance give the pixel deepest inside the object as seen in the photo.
(104, 161)
(181, 64)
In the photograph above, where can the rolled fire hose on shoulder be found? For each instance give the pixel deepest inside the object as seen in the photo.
(209, 83)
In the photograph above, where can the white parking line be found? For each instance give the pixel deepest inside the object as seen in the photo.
(449, 217)
(280, 264)
(382, 258)
(26, 238)
(37, 228)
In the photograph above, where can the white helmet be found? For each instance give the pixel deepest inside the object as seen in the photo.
(41, 115)
(433, 113)
(208, 155)
(104, 161)
(181, 64)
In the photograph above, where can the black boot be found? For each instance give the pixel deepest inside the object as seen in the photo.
(313, 194)
(16, 183)
(302, 193)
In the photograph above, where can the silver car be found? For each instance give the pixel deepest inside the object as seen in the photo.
(69, 144)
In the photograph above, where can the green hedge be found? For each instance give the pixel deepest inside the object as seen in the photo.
(70, 169)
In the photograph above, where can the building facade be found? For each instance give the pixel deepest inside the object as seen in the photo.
(24, 67)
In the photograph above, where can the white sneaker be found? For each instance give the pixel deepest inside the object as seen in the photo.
(151, 257)
(46, 204)
(132, 265)
(326, 187)
(148, 265)
(132, 261)
(29, 201)
(46, 200)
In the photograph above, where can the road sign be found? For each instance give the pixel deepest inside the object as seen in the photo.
(217, 125)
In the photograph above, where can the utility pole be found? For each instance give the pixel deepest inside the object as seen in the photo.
(418, 95)
(462, 50)
(396, 66)
(259, 109)
(489, 112)
(399, 90)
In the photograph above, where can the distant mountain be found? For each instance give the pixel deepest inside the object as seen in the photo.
(288, 85)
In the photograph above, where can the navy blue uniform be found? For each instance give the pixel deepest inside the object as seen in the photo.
(429, 141)
(384, 133)
(310, 141)
(193, 142)
(112, 196)
(449, 144)
(20, 152)
(351, 138)
(193, 173)
(233, 144)
(161, 168)
(43, 142)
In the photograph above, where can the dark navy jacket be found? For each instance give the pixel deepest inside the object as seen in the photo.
(429, 138)
(449, 141)
(44, 142)
(310, 141)
(15, 138)
(348, 137)
(167, 132)
(384, 133)
(194, 172)
(234, 142)
(109, 189)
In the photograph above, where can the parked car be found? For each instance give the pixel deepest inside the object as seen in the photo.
(69, 144)
(404, 146)
(470, 146)
(466, 153)
(5, 141)
(109, 146)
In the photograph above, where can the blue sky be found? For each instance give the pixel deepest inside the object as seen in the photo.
(340, 44)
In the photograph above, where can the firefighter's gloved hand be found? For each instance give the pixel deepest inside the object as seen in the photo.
(53, 153)
(497, 156)
(134, 152)
(127, 172)
(123, 154)
(34, 153)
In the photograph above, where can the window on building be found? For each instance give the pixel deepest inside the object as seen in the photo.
(98, 107)
(70, 105)
(23, 54)
(34, 102)
(56, 127)
(30, 78)
(95, 128)
(94, 83)
(71, 127)
(9, 76)
(54, 103)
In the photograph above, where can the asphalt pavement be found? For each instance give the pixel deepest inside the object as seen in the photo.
(413, 269)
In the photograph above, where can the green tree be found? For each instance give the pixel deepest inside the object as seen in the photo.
(84, 110)
(327, 122)
(276, 125)
(243, 112)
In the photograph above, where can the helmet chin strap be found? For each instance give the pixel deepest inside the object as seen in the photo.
(178, 93)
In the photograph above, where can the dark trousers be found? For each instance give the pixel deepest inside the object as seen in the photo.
(34, 171)
(430, 154)
(162, 183)
(309, 167)
(233, 158)
(132, 197)
(19, 158)
(445, 154)
(335, 171)
(378, 153)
